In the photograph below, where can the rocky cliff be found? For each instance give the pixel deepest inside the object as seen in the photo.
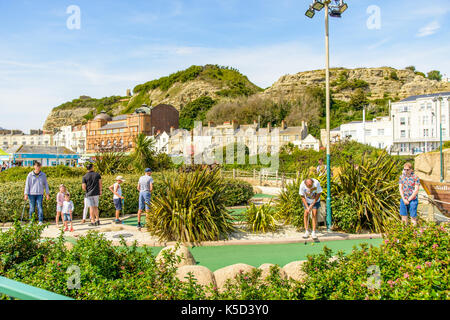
(378, 83)
(226, 83)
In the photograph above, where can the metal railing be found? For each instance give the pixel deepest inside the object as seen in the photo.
(22, 291)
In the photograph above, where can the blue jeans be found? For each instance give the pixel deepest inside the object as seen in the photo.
(411, 208)
(36, 199)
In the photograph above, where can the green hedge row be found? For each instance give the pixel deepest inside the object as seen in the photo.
(21, 173)
(12, 202)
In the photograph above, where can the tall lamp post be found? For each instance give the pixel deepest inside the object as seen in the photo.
(438, 101)
(333, 8)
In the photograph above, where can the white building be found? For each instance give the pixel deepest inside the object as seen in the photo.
(161, 142)
(258, 140)
(15, 138)
(416, 123)
(71, 137)
(376, 133)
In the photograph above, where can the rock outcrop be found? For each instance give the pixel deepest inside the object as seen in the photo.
(380, 82)
(230, 272)
(203, 275)
(294, 270)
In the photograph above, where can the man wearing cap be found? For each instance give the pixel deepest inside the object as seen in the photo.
(92, 185)
(116, 189)
(145, 187)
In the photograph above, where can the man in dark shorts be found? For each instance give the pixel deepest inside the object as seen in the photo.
(92, 185)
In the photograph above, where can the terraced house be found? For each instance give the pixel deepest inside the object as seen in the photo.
(106, 133)
(258, 139)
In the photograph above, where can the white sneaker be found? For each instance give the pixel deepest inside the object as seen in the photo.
(314, 235)
(306, 235)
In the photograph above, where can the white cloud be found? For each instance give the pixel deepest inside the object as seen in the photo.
(429, 29)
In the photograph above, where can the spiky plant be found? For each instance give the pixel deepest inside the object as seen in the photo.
(372, 187)
(191, 210)
(262, 218)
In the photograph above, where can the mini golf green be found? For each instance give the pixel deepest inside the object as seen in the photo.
(262, 195)
(217, 257)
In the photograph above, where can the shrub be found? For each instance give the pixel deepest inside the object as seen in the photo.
(372, 187)
(412, 261)
(344, 215)
(412, 264)
(191, 209)
(12, 202)
(262, 218)
(21, 173)
(236, 192)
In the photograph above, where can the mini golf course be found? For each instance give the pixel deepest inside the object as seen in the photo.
(216, 257)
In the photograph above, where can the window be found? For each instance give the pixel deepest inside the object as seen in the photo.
(402, 121)
(285, 138)
(429, 106)
(108, 131)
(403, 147)
(444, 132)
(115, 130)
(296, 137)
(403, 133)
(122, 130)
(422, 106)
(425, 132)
(368, 132)
(425, 120)
(381, 132)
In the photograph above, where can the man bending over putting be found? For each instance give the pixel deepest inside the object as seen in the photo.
(310, 191)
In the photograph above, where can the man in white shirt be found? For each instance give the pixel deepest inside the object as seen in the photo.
(310, 191)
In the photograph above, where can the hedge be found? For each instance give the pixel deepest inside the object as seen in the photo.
(12, 202)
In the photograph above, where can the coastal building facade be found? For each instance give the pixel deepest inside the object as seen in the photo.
(416, 123)
(15, 138)
(105, 133)
(71, 137)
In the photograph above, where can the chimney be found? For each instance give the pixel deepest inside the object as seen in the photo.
(171, 130)
(235, 124)
(210, 124)
(269, 127)
(283, 124)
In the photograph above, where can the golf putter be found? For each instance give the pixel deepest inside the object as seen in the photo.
(23, 210)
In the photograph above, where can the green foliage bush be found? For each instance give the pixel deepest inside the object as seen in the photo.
(413, 265)
(236, 192)
(21, 173)
(195, 111)
(262, 218)
(12, 202)
(344, 214)
(191, 209)
(106, 272)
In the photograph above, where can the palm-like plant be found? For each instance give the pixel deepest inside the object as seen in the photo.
(191, 209)
(371, 185)
(262, 218)
(143, 154)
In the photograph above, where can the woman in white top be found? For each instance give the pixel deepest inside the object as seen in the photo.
(116, 189)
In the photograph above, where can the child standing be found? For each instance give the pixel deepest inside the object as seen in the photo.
(117, 198)
(67, 211)
(59, 203)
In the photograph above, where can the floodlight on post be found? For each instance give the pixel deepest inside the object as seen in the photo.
(318, 5)
(310, 12)
(333, 8)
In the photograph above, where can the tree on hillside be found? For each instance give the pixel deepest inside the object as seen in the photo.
(358, 99)
(412, 68)
(434, 75)
(246, 110)
(195, 111)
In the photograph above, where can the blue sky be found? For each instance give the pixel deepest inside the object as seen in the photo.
(120, 44)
